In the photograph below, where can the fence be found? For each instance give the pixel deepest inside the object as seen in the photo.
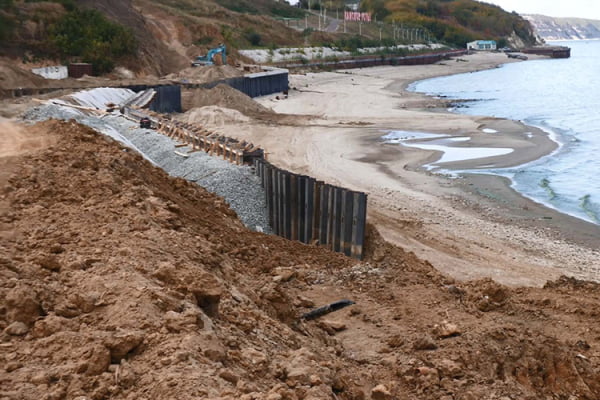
(305, 209)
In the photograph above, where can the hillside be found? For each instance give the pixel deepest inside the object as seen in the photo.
(456, 21)
(158, 37)
(167, 34)
(552, 28)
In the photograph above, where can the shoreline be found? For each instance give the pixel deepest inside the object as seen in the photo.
(340, 118)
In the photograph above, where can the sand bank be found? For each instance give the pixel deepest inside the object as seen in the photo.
(470, 227)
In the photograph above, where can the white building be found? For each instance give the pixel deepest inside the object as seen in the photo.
(482, 45)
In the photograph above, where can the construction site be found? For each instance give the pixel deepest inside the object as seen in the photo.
(214, 233)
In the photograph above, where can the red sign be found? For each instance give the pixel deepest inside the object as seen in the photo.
(357, 16)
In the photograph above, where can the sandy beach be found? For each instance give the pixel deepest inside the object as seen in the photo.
(471, 227)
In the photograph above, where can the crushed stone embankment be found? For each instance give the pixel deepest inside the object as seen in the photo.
(238, 185)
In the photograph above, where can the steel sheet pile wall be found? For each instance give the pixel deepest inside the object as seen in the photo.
(253, 85)
(302, 208)
(261, 84)
(168, 97)
(167, 100)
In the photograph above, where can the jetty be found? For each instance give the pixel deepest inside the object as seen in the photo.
(550, 51)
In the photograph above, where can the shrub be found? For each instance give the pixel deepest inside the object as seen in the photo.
(253, 37)
(204, 40)
(89, 35)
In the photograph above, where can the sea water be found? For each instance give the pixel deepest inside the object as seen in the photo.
(561, 96)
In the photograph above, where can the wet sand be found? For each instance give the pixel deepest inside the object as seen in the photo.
(470, 227)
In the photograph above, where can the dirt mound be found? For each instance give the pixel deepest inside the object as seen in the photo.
(223, 96)
(118, 281)
(205, 74)
(13, 77)
(16, 139)
(213, 116)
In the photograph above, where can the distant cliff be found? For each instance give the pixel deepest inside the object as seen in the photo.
(550, 28)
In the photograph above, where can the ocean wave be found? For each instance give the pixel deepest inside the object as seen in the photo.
(588, 208)
(545, 184)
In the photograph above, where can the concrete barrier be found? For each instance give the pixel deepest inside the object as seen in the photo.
(58, 72)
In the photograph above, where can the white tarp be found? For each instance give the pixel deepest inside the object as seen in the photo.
(58, 72)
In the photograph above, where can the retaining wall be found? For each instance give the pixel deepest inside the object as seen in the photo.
(167, 99)
(302, 208)
(373, 61)
(273, 80)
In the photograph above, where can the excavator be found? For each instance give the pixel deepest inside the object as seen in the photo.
(209, 58)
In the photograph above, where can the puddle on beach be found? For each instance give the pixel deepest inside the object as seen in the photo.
(444, 144)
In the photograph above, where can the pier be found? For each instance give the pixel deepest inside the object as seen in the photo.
(550, 51)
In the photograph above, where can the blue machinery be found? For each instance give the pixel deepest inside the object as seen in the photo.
(209, 58)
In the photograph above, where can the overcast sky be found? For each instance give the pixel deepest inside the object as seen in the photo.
(555, 8)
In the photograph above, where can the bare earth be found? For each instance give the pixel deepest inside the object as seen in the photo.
(118, 281)
(468, 228)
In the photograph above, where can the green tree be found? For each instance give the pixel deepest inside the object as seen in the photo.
(89, 35)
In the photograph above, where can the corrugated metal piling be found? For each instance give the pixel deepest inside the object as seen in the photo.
(310, 211)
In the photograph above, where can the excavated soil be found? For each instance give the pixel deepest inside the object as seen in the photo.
(222, 96)
(118, 281)
(11, 76)
(205, 74)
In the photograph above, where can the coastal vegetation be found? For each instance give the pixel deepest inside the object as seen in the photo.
(455, 22)
(117, 33)
(60, 30)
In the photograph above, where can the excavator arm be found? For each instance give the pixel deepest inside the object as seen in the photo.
(209, 58)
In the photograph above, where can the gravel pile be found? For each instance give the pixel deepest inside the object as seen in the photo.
(238, 185)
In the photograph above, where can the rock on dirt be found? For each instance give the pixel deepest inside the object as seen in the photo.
(163, 293)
